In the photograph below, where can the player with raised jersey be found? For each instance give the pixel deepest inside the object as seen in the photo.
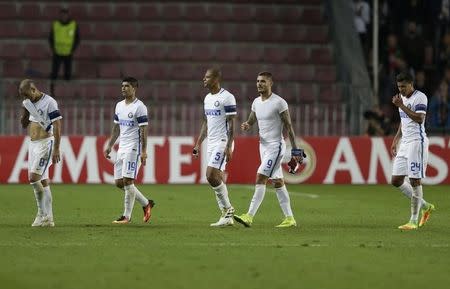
(42, 118)
(410, 149)
(218, 127)
(130, 126)
(271, 112)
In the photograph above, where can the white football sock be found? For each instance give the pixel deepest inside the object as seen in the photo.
(140, 197)
(415, 202)
(407, 190)
(258, 196)
(130, 195)
(284, 200)
(39, 195)
(222, 196)
(48, 200)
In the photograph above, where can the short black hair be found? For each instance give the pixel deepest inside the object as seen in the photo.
(266, 74)
(131, 80)
(216, 72)
(405, 77)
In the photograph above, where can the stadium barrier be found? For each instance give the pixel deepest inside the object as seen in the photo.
(331, 160)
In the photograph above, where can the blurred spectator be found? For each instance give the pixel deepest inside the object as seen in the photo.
(393, 63)
(421, 83)
(413, 46)
(444, 52)
(361, 11)
(439, 111)
(64, 38)
(377, 123)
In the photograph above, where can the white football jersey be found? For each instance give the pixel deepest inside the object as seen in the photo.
(411, 130)
(217, 107)
(268, 116)
(130, 117)
(47, 108)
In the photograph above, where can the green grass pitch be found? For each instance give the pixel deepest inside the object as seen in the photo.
(347, 238)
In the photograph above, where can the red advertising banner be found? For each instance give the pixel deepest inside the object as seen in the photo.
(331, 160)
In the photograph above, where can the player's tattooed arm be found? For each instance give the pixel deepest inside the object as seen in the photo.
(230, 133)
(143, 134)
(115, 132)
(57, 135)
(201, 136)
(250, 121)
(286, 119)
(24, 118)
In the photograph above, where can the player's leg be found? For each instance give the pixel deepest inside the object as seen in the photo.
(214, 175)
(48, 202)
(285, 203)
(118, 179)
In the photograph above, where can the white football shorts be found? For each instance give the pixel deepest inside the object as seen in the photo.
(411, 159)
(271, 156)
(127, 165)
(216, 155)
(40, 156)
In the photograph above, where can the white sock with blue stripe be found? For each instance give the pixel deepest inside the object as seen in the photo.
(415, 203)
(39, 195)
(48, 208)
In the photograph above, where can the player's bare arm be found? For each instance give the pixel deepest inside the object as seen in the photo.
(56, 157)
(24, 118)
(143, 134)
(250, 122)
(230, 133)
(286, 119)
(115, 132)
(201, 137)
(415, 116)
(395, 141)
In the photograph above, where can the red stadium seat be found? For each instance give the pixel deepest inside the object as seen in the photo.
(174, 32)
(307, 93)
(274, 54)
(85, 69)
(202, 52)
(302, 73)
(104, 31)
(137, 70)
(162, 91)
(127, 31)
(325, 73)
(38, 69)
(107, 51)
(8, 11)
(219, 12)
(86, 31)
(195, 12)
(124, 12)
(154, 52)
(294, 33)
(231, 72)
(250, 54)
(291, 14)
(78, 11)
(246, 32)
(11, 50)
(269, 14)
(13, 68)
(311, 16)
(151, 32)
(270, 33)
(179, 52)
(317, 34)
(226, 53)
(50, 12)
(130, 51)
(109, 70)
(157, 71)
(321, 55)
(328, 94)
(85, 51)
(30, 11)
(198, 31)
(148, 12)
(297, 55)
(9, 29)
(171, 11)
(183, 71)
(35, 30)
(243, 13)
(37, 50)
(100, 11)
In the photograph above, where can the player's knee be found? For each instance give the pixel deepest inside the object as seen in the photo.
(278, 183)
(127, 182)
(34, 178)
(119, 184)
(396, 182)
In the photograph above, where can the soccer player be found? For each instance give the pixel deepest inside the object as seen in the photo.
(130, 126)
(271, 112)
(410, 149)
(218, 124)
(43, 120)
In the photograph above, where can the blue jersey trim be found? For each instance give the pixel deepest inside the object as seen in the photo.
(230, 108)
(116, 118)
(54, 114)
(142, 119)
(420, 107)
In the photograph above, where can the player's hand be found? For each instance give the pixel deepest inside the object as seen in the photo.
(245, 126)
(397, 100)
(195, 151)
(143, 158)
(107, 152)
(56, 156)
(228, 153)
